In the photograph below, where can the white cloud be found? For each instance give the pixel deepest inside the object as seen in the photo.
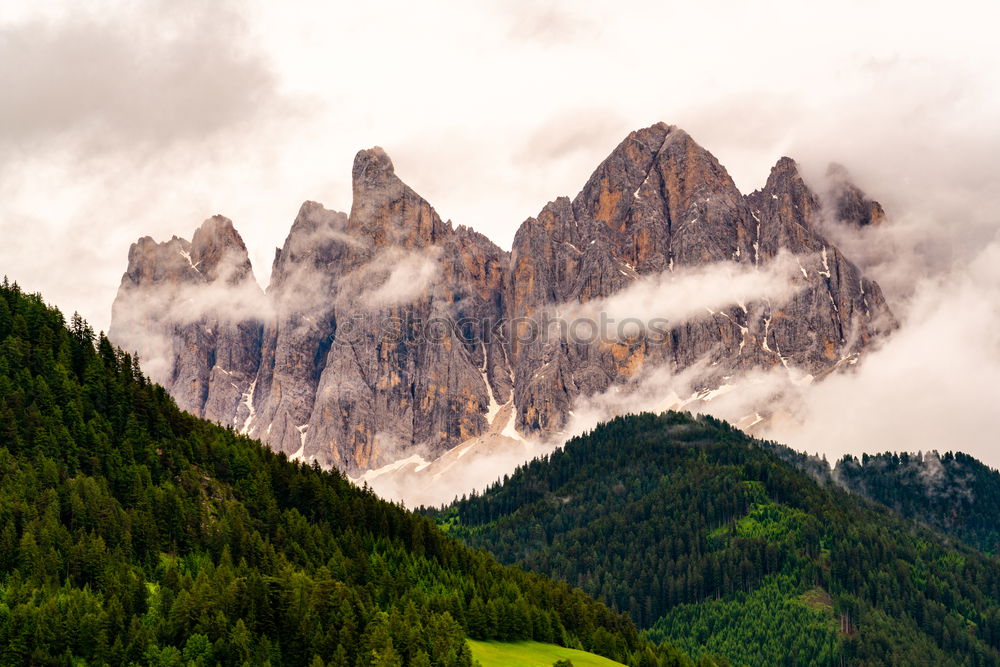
(396, 277)
(391, 277)
(687, 293)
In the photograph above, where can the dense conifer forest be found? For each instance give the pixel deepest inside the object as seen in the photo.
(707, 538)
(134, 533)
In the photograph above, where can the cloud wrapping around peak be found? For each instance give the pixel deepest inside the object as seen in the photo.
(686, 293)
(932, 386)
(396, 277)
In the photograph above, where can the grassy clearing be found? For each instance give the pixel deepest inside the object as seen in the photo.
(532, 654)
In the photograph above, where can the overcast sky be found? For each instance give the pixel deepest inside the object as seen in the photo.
(120, 120)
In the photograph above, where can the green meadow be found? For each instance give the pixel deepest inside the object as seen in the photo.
(532, 654)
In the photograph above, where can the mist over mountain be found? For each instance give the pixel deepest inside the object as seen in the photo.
(952, 492)
(388, 337)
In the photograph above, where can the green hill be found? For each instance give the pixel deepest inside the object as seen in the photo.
(710, 540)
(133, 533)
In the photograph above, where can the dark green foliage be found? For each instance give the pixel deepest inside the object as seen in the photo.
(131, 532)
(714, 542)
(953, 492)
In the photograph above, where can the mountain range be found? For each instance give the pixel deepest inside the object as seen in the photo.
(393, 341)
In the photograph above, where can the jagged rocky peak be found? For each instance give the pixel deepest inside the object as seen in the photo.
(793, 198)
(349, 374)
(313, 246)
(784, 211)
(153, 262)
(657, 200)
(660, 196)
(786, 181)
(372, 165)
(606, 195)
(313, 217)
(387, 211)
(838, 197)
(851, 205)
(215, 251)
(218, 251)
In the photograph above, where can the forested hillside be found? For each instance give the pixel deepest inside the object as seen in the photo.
(131, 532)
(712, 541)
(953, 492)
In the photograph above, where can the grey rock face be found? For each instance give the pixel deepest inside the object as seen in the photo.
(187, 308)
(850, 204)
(842, 312)
(295, 341)
(387, 332)
(351, 374)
